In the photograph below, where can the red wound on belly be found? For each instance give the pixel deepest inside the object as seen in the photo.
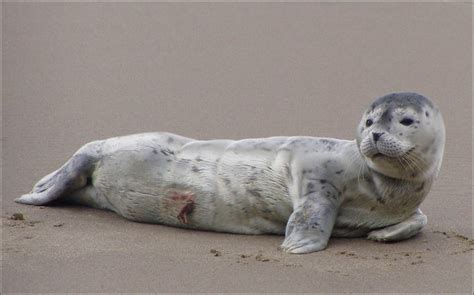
(187, 200)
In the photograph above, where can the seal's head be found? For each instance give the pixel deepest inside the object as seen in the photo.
(401, 135)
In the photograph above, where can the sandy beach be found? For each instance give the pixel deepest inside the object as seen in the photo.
(79, 72)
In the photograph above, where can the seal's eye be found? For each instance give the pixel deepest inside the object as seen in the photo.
(368, 122)
(406, 121)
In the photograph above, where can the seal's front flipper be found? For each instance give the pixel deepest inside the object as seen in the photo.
(400, 231)
(310, 225)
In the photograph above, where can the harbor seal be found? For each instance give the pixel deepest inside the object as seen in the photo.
(306, 188)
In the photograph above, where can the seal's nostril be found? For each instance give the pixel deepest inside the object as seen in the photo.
(376, 135)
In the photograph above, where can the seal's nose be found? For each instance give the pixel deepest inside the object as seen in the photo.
(376, 135)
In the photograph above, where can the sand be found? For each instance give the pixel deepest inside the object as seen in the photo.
(76, 73)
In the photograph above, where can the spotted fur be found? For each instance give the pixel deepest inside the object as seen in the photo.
(307, 188)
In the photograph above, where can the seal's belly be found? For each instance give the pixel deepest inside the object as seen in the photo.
(218, 187)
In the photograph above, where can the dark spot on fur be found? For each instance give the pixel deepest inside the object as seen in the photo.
(400, 134)
(288, 173)
(266, 149)
(252, 177)
(373, 208)
(310, 186)
(255, 192)
(198, 159)
(380, 200)
(420, 188)
(89, 181)
(386, 115)
(170, 140)
(339, 172)
(226, 181)
(322, 181)
(427, 114)
(155, 151)
(195, 169)
(167, 152)
(316, 225)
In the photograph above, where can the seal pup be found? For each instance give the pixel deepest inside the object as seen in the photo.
(307, 188)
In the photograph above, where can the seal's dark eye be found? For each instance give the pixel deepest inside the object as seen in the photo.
(368, 122)
(406, 121)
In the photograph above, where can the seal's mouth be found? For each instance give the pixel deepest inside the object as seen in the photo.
(377, 155)
(380, 155)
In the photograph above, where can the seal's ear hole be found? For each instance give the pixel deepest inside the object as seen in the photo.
(406, 121)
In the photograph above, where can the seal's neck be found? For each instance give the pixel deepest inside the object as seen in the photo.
(387, 189)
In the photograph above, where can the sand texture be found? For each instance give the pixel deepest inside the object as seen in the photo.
(73, 73)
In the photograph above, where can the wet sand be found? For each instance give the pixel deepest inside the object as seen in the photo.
(73, 74)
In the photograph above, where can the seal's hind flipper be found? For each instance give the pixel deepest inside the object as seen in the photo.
(73, 176)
